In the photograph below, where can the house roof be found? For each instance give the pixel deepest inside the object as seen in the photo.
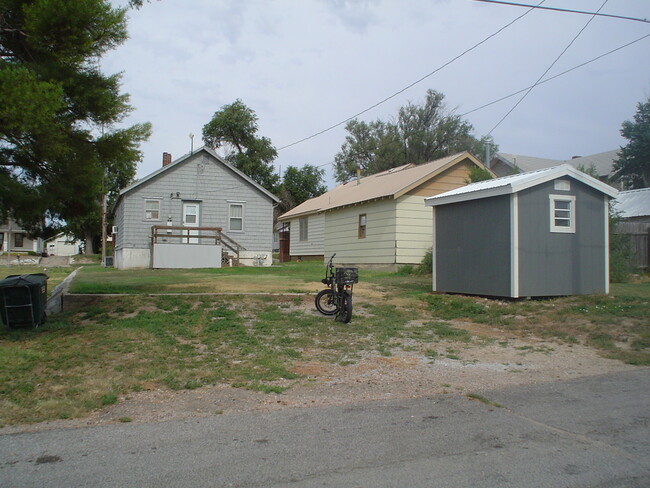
(180, 160)
(633, 203)
(394, 183)
(516, 183)
(602, 162)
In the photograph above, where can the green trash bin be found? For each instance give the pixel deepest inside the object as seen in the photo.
(23, 299)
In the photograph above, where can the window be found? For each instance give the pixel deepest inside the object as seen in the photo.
(304, 229)
(152, 210)
(563, 218)
(19, 240)
(2, 240)
(236, 216)
(362, 226)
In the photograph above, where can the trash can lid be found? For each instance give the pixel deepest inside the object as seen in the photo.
(25, 279)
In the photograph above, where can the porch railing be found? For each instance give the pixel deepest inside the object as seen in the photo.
(161, 234)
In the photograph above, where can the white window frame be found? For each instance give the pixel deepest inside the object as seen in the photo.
(571, 218)
(303, 224)
(150, 200)
(231, 205)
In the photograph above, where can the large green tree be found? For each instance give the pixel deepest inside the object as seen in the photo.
(234, 128)
(419, 133)
(633, 164)
(299, 185)
(60, 143)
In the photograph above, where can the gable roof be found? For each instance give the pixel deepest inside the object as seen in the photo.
(186, 157)
(602, 162)
(516, 183)
(633, 203)
(392, 183)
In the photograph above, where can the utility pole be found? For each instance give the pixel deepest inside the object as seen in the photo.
(103, 228)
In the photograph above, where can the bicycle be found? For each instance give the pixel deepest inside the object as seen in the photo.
(337, 299)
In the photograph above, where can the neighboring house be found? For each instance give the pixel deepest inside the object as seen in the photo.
(504, 164)
(376, 220)
(542, 233)
(197, 191)
(633, 207)
(62, 245)
(13, 238)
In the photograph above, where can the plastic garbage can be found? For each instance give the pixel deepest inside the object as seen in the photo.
(23, 299)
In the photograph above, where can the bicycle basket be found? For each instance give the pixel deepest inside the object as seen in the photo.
(347, 275)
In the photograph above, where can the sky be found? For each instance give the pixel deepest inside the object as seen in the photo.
(306, 65)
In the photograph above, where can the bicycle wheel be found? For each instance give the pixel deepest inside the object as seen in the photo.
(345, 314)
(326, 302)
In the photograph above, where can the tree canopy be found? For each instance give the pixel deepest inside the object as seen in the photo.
(299, 185)
(633, 164)
(419, 134)
(234, 128)
(59, 140)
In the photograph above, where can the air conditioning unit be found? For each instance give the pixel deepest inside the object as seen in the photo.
(114, 230)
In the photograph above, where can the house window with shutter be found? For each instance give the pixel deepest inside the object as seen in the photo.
(236, 217)
(362, 226)
(304, 228)
(152, 209)
(563, 213)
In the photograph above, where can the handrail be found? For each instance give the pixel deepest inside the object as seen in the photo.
(185, 234)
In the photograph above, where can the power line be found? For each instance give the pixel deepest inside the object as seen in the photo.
(636, 19)
(541, 82)
(556, 76)
(547, 70)
(411, 84)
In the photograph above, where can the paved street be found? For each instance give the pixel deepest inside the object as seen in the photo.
(590, 432)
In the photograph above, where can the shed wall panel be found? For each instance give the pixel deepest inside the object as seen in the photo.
(473, 247)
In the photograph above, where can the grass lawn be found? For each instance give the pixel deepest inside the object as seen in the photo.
(55, 275)
(84, 359)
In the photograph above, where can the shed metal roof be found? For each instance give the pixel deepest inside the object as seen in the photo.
(633, 203)
(516, 183)
(393, 183)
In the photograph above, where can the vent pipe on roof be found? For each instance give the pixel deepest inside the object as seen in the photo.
(488, 146)
(167, 158)
(358, 176)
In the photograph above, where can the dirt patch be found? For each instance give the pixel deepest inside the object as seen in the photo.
(500, 362)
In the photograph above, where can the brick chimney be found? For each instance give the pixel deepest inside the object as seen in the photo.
(167, 158)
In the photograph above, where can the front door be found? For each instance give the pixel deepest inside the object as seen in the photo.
(191, 218)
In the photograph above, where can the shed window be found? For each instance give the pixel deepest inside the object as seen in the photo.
(362, 226)
(236, 216)
(19, 240)
(152, 210)
(304, 229)
(563, 214)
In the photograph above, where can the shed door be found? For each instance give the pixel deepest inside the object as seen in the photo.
(192, 218)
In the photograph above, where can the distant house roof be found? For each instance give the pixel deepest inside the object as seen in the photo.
(180, 160)
(602, 162)
(516, 183)
(393, 183)
(633, 203)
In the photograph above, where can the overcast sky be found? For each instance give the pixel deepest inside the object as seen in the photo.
(305, 65)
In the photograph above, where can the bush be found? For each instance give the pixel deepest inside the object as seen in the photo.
(426, 265)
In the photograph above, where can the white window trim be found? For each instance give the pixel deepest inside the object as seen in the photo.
(571, 228)
(230, 217)
(146, 200)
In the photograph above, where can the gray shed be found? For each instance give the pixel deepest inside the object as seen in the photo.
(542, 233)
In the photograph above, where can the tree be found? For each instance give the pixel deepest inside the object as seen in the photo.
(234, 128)
(58, 113)
(299, 185)
(633, 164)
(419, 134)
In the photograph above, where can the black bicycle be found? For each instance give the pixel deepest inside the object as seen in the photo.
(337, 299)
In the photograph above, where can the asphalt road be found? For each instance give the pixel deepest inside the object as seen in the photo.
(591, 432)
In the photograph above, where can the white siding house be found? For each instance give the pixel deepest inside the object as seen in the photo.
(198, 190)
(13, 238)
(378, 220)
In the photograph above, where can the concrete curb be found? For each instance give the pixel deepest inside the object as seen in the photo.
(55, 302)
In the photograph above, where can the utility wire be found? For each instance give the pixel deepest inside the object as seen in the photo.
(636, 19)
(547, 70)
(540, 83)
(411, 84)
(556, 76)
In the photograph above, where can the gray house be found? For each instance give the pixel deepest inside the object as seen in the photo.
(542, 233)
(197, 211)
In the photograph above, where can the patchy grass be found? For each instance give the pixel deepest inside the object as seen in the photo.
(86, 359)
(55, 275)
